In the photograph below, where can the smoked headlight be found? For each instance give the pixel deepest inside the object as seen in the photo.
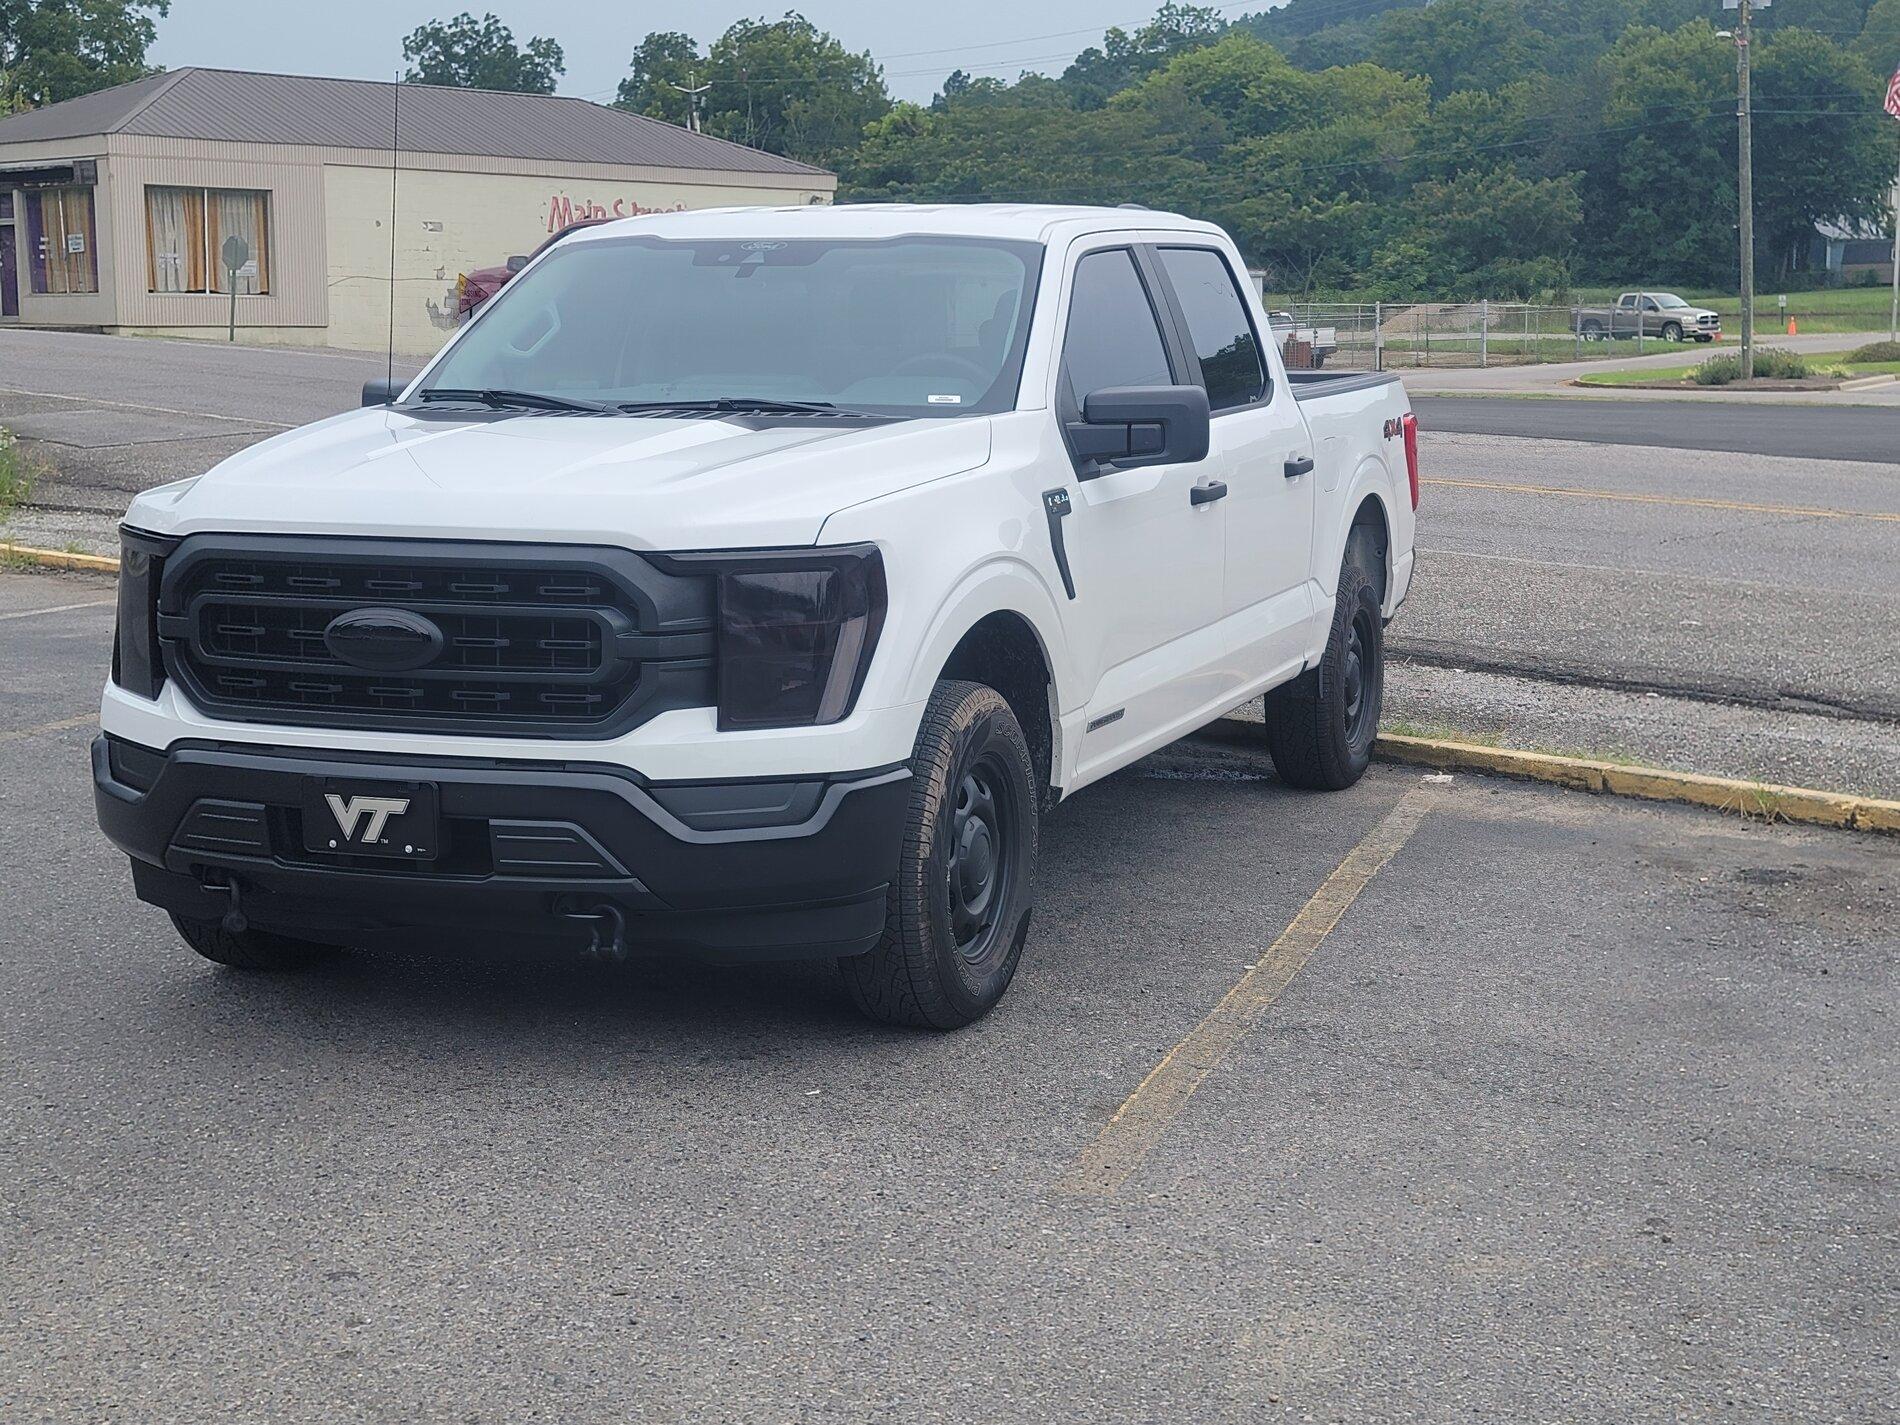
(136, 665)
(796, 633)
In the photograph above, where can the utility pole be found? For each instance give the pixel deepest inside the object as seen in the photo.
(692, 98)
(1893, 316)
(1746, 189)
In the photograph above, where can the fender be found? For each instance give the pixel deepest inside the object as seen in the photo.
(1005, 585)
(1329, 545)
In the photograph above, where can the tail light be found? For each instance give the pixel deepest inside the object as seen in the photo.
(1411, 454)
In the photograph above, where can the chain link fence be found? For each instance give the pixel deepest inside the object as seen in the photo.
(1399, 336)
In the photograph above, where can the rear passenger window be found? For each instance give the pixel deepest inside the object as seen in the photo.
(1114, 338)
(1217, 325)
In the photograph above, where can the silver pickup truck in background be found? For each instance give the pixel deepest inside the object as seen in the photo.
(1657, 314)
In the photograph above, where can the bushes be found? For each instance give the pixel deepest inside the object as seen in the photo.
(1771, 362)
(16, 481)
(1876, 351)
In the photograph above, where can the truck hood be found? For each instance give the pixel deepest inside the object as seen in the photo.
(638, 482)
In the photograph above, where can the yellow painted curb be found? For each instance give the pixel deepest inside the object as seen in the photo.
(59, 558)
(1765, 801)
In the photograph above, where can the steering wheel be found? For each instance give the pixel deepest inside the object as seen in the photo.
(961, 365)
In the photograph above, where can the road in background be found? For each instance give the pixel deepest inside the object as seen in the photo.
(1621, 1148)
(1775, 427)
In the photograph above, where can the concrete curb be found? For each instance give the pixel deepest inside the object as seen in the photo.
(59, 558)
(1765, 801)
(1867, 383)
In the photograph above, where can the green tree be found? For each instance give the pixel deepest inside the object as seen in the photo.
(1822, 149)
(1121, 60)
(466, 53)
(1879, 42)
(781, 85)
(1461, 44)
(1496, 234)
(58, 49)
(661, 61)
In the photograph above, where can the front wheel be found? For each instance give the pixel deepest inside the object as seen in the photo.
(958, 913)
(1321, 726)
(1672, 331)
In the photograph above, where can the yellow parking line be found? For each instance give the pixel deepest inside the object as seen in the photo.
(1689, 501)
(18, 733)
(1140, 1122)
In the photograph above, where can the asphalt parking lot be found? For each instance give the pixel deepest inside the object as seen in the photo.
(1436, 1099)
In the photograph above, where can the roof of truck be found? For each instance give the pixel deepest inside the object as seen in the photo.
(1034, 222)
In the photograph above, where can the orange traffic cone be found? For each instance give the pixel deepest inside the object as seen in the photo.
(1792, 329)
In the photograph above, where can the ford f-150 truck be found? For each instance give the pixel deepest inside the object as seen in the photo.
(751, 584)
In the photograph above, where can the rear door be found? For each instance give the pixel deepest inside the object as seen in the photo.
(1146, 559)
(1260, 447)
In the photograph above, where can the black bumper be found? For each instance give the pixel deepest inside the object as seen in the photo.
(533, 855)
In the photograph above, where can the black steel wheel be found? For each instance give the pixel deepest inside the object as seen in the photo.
(1321, 726)
(958, 914)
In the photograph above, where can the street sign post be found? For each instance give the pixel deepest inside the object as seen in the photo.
(236, 254)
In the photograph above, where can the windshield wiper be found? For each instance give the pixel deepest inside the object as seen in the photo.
(506, 400)
(745, 405)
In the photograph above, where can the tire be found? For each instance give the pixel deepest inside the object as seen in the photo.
(958, 913)
(250, 949)
(1672, 331)
(1320, 726)
(1592, 331)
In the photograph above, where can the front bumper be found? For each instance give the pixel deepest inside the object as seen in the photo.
(533, 855)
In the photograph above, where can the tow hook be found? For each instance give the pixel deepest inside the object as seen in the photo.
(235, 922)
(606, 932)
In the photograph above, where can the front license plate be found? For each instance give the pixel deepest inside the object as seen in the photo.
(396, 819)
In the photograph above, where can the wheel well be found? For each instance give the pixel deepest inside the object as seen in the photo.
(1002, 651)
(1369, 541)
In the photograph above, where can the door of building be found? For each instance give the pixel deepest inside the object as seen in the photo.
(9, 274)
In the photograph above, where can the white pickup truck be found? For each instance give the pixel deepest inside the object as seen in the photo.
(750, 584)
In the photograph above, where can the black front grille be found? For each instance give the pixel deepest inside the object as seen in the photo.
(533, 640)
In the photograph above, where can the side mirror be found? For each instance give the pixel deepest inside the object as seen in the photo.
(381, 392)
(1127, 426)
(516, 263)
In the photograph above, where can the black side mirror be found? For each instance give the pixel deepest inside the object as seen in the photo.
(516, 263)
(382, 393)
(1126, 426)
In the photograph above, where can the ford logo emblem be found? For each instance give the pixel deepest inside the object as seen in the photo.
(383, 640)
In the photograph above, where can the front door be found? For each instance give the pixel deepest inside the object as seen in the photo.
(1147, 560)
(9, 274)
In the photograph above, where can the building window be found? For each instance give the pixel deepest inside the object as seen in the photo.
(185, 229)
(59, 235)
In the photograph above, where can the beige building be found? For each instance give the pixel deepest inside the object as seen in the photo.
(116, 207)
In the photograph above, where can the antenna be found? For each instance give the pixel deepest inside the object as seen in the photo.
(395, 140)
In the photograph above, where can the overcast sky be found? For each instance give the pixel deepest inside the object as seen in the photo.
(917, 43)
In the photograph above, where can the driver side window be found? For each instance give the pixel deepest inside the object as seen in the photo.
(1114, 337)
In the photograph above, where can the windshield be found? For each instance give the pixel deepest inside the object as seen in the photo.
(1669, 299)
(927, 326)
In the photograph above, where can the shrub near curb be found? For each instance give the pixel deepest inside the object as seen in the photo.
(1771, 363)
(1874, 351)
(16, 483)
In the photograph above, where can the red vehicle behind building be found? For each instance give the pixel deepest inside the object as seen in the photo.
(474, 288)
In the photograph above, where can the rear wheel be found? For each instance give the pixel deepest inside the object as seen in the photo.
(1593, 330)
(1321, 726)
(958, 914)
(250, 949)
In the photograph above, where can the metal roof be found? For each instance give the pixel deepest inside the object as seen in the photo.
(238, 106)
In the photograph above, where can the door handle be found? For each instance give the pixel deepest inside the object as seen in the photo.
(1299, 465)
(1206, 494)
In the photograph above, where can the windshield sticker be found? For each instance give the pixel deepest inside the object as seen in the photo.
(946, 400)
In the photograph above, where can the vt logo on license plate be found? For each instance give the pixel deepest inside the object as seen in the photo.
(377, 809)
(391, 819)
